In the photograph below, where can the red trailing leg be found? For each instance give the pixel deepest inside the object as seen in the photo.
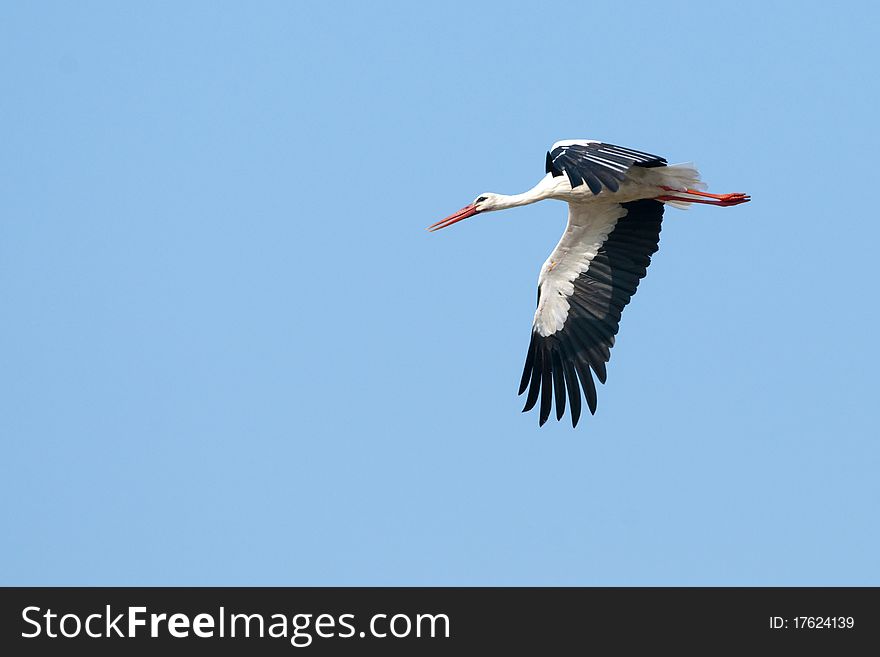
(723, 200)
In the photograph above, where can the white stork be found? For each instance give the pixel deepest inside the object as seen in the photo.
(615, 199)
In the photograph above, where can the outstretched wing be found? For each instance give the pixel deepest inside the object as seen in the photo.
(582, 291)
(595, 163)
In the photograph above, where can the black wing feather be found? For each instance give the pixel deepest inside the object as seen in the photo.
(574, 392)
(527, 370)
(588, 384)
(546, 383)
(535, 386)
(559, 384)
(597, 164)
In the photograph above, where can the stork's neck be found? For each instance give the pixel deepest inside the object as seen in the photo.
(537, 193)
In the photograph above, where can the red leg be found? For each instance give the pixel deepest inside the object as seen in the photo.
(723, 200)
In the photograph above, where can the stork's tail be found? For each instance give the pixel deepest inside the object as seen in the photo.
(679, 177)
(683, 184)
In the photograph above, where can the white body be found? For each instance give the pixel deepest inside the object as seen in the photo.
(591, 217)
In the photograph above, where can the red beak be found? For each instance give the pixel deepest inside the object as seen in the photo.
(464, 213)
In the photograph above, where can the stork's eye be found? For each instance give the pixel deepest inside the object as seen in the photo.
(482, 198)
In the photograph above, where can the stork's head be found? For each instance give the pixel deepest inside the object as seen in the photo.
(485, 202)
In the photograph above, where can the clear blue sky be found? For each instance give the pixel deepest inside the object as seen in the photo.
(230, 353)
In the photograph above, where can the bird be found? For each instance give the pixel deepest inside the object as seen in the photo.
(616, 197)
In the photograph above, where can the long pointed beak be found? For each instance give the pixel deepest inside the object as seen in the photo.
(464, 213)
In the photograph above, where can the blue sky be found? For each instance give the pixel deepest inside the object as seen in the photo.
(231, 354)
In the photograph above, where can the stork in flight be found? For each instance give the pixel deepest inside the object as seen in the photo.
(615, 199)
